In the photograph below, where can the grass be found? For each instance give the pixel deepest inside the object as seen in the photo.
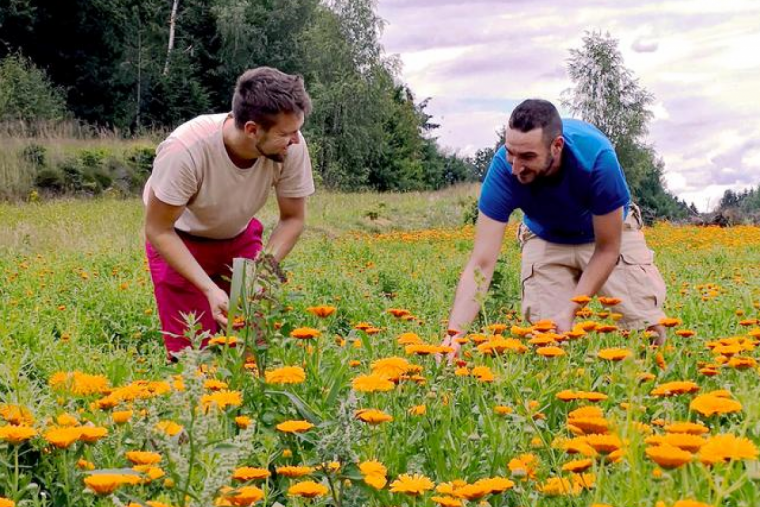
(76, 296)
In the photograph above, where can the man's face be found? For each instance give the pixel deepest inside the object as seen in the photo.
(274, 142)
(529, 154)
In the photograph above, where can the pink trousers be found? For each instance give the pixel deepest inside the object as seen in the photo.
(175, 295)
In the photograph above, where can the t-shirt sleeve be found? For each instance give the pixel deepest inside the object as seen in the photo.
(608, 187)
(296, 179)
(174, 179)
(496, 200)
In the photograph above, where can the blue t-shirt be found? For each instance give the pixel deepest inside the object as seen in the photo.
(559, 210)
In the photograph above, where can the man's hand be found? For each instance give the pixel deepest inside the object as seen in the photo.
(450, 341)
(219, 302)
(565, 320)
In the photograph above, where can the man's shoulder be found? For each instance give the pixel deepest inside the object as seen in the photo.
(585, 140)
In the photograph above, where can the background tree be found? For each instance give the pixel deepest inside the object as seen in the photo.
(607, 95)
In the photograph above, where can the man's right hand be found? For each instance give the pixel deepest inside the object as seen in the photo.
(450, 341)
(219, 302)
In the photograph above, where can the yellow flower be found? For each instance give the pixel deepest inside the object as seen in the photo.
(579, 465)
(250, 474)
(16, 434)
(66, 420)
(411, 484)
(286, 375)
(6, 502)
(143, 457)
(307, 489)
(446, 501)
(372, 383)
(687, 427)
(418, 410)
(294, 426)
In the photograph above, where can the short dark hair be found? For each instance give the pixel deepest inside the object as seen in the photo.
(263, 93)
(537, 113)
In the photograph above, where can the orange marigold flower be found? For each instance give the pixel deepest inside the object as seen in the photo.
(294, 471)
(250, 474)
(483, 374)
(169, 427)
(242, 497)
(592, 396)
(669, 322)
(685, 333)
(16, 434)
(668, 456)
(308, 489)
(685, 441)
(614, 354)
(372, 383)
(62, 438)
(398, 312)
(581, 300)
(221, 399)
(143, 457)
(321, 311)
(446, 501)
(550, 351)
(412, 485)
(579, 465)
(408, 339)
(391, 367)
(609, 301)
(374, 473)
(687, 427)
(285, 375)
(105, 484)
(373, 416)
(674, 388)
(723, 448)
(710, 404)
(496, 328)
(91, 434)
(294, 426)
(604, 443)
(16, 415)
(305, 333)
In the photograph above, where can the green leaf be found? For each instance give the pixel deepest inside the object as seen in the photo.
(303, 408)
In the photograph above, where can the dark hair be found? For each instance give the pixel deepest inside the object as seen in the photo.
(263, 93)
(537, 113)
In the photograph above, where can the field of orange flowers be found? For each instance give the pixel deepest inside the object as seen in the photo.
(333, 396)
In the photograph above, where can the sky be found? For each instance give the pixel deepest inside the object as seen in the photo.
(700, 59)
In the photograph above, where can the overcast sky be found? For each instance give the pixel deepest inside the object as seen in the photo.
(700, 58)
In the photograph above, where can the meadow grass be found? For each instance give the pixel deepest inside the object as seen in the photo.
(77, 297)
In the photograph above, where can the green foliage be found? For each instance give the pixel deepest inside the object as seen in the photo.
(607, 95)
(26, 93)
(367, 130)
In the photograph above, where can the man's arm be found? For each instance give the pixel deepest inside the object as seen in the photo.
(159, 231)
(476, 276)
(608, 231)
(289, 228)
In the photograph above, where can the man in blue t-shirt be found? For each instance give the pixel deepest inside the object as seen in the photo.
(581, 235)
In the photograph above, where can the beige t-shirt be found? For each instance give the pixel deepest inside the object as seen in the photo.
(192, 169)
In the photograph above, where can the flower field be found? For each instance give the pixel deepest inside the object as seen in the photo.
(333, 395)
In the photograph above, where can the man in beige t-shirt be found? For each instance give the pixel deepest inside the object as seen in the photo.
(210, 177)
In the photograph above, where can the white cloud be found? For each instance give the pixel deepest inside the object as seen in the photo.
(477, 59)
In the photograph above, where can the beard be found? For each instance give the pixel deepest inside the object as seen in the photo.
(276, 156)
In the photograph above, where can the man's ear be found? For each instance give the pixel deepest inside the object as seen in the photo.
(251, 128)
(557, 145)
